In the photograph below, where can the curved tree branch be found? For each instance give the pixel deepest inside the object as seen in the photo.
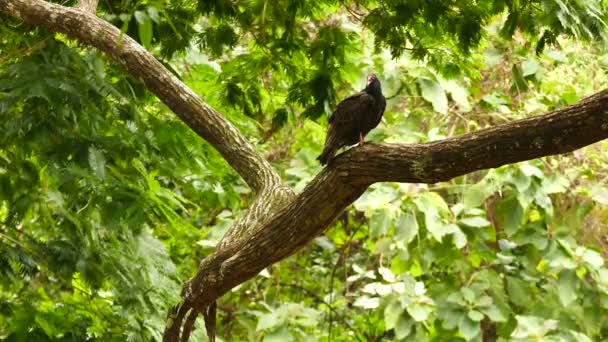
(204, 120)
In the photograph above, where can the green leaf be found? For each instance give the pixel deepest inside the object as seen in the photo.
(459, 94)
(529, 67)
(407, 227)
(434, 93)
(379, 223)
(468, 328)
(519, 83)
(518, 292)
(419, 311)
(460, 240)
(531, 171)
(494, 313)
(392, 313)
(476, 221)
(532, 326)
(522, 181)
(555, 55)
(366, 302)
(269, 321)
(403, 328)
(279, 335)
(567, 287)
(97, 162)
(475, 315)
(510, 215)
(476, 194)
(593, 258)
(144, 24)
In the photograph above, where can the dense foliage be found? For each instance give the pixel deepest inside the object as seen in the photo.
(108, 202)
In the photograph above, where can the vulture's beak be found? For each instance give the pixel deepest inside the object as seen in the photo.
(370, 79)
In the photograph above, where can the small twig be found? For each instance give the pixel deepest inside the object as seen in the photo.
(87, 5)
(318, 299)
(332, 277)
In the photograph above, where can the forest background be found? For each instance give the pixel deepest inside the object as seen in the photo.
(109, 202)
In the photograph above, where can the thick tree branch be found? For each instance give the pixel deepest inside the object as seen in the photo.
(349, 175)
(204, 120)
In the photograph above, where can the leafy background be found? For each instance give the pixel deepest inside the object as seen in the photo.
(108, 202)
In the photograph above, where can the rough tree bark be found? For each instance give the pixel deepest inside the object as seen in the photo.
(279, 223)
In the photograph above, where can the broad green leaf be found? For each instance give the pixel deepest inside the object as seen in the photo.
(476, 194)
(544, 201)
(518, 291)
(532, 326)
(510, 215)
(392, 314)
(460, 240)
(459, 94)
(475, 315)
(144, 24)
(593, 258)
(494, 313)
(579, 337)
(280, 335)
(403, 327)
(434, 93)
(492, 56)
(531, 171)
(407, 227)
(529, 67)
(366, 302)
(269, 321)
(567, 287)
(468, 328)
(475, 221)
(555, 55)
(468, 294)
(519, 83)
(379, 223)
(419, 311)
(97, 162)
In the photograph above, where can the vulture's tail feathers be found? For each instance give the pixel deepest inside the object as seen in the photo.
(329, 150)
(328, 153)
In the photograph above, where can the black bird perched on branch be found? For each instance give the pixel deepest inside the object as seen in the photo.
(353, 118)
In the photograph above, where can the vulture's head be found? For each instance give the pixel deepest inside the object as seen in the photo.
(373, 84)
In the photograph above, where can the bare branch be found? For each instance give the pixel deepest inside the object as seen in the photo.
(204, 120)
(87, 5)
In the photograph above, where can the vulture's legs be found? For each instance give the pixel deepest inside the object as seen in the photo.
(360, 139)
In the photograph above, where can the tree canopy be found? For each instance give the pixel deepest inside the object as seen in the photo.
(157, 165)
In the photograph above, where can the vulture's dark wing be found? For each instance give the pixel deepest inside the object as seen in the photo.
(352, 110)
(345, 124)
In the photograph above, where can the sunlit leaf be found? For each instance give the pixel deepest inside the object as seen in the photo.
(435, 94)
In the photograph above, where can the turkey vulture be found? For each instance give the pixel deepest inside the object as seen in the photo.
(353, 118)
